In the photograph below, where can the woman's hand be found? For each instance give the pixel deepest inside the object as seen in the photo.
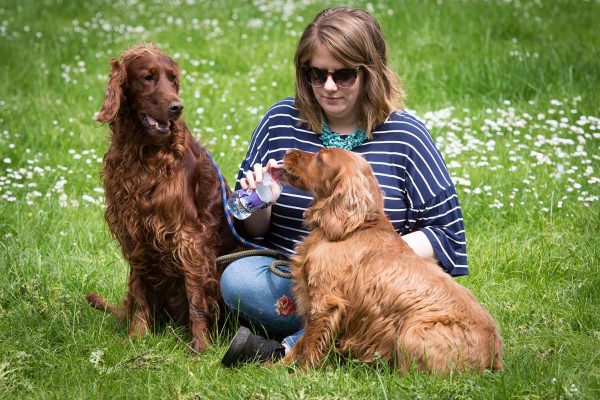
(253, 177)
(258, 224)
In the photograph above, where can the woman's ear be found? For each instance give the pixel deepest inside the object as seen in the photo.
(113, 96)
(350, 206)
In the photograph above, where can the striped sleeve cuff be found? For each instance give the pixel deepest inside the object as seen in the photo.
(440, 219)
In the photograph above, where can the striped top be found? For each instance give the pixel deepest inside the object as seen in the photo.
(418, 191)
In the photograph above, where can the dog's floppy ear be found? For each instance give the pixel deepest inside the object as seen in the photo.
(113, 96)
(351, 205)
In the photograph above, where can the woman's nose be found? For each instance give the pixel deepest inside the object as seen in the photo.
(330, 84)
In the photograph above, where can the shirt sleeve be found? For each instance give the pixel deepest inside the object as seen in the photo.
(440, 219)
(433, 205)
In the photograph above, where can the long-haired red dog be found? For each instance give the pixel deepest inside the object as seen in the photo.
(360, 286)
(163, 200)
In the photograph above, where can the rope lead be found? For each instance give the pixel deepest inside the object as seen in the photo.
(273, 267)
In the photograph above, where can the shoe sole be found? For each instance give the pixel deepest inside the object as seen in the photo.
(235, 348)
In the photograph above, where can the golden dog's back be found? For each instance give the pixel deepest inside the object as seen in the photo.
(405, 308)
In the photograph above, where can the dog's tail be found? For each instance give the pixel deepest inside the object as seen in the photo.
(99, 303)
(498, 362)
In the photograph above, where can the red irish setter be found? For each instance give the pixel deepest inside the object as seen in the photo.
(360, 286)
(163, 200)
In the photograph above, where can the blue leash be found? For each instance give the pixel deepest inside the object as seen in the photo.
(228, 215)
(258, 249)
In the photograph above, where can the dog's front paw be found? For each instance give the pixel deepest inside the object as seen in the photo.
(199, 344)
(294, 360)
(288, 359)
(138, 328)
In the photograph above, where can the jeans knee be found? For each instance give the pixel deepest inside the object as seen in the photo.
(241, 278)
(249, 288)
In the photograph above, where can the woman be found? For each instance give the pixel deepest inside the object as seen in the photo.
(347, 97)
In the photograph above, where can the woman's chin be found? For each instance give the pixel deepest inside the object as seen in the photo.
(335, 112)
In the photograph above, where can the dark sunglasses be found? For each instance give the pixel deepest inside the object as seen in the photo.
(344, 77)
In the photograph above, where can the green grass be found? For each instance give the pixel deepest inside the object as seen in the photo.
(509, 89)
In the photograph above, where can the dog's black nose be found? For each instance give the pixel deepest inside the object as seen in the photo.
(175, 107)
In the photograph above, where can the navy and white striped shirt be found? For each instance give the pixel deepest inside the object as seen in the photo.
(419, 194)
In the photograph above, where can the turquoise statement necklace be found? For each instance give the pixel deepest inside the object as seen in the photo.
(332, 139)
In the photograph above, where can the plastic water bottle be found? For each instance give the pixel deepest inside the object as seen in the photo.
(244, 202)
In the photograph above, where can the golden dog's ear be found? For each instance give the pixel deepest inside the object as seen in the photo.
(351, 205)
(113, 96)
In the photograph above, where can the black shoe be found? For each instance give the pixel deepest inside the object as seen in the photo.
(248, 347)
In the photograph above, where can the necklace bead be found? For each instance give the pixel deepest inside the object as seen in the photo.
(332, 139)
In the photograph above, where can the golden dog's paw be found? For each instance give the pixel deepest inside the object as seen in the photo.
(288, 359)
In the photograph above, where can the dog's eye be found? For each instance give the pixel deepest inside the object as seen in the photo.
(173, 78)
(149, 77)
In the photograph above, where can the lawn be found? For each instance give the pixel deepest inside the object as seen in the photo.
(509, 90)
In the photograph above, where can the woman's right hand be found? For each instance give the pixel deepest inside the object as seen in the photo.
(253, 177)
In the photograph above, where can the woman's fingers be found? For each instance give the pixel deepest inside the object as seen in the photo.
(253, 177)
(258, 173)
(244, 183)
(250, 181)
(272, 163)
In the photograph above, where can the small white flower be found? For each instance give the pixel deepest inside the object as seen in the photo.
(88, 198)
(96, 357)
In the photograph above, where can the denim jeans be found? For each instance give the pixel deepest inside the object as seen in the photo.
(253, 292)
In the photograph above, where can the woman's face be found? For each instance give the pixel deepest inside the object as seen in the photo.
(338, 103)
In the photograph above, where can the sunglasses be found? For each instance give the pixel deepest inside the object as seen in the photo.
(344, 77)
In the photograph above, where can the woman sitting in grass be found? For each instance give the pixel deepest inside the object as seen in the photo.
(346, 96)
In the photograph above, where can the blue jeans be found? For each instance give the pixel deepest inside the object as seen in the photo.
(252, 291)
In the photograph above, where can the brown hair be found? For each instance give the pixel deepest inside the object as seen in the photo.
(354, 38)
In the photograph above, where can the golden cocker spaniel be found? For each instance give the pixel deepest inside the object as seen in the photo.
(360, 286)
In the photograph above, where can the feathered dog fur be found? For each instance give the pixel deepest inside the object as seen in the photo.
(360, 286)
(163, 200)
